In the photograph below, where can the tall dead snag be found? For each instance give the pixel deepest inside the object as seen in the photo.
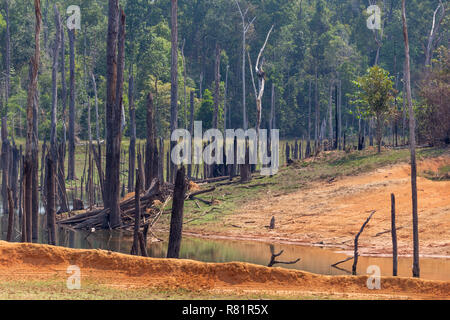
(56, 48)
(434, 31)
(50, 207)
(330, 115)
(5, 165)
(31, 144)
(412, 143)
(10, 233)
(191, 129)
(174, 80)
(261, 81)
(317, 120)
(137, 215)
(394, 237)
(215, 121)
(63, 86)
(176, 222)
(114, 90)
(71, 163)
(245, 28)
(150, 145)
(308, 143)
(132, 112)
(356, 254)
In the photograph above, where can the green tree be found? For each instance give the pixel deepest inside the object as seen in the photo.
(374, 95)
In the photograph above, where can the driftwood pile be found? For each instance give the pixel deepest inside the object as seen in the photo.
(98, 218)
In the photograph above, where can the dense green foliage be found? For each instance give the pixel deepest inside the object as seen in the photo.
(327, 37)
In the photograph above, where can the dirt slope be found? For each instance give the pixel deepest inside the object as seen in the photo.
(331, 214)
(31, 261)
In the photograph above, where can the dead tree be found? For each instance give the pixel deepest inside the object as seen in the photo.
(432, 43)
(50, 206)
(11, 214)
(184, 83)
(31, 145)
(215, 121)
(115, 65)
(71, 164)
(276, 255)
(330, 114)
(56, 48)
(394, 237)
(150, 145)
(132, 112)
(176, 222)
(261, 82)
(356, 254)
(174, 80)
(5, 164)
(308, 143)
(191, 131)
(412, 143)
(245, 28)
(137, 219)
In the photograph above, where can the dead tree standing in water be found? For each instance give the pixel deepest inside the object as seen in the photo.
(412, 143)
(115, 65)
(176, 222)
(31, 146)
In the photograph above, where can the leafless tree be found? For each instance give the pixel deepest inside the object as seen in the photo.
(412, 143)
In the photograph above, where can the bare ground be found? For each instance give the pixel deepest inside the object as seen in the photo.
(331, 213)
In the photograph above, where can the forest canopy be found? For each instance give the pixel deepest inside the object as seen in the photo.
(310, 37)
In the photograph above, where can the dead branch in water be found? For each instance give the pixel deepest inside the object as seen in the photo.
(276, 255)
(355, 259)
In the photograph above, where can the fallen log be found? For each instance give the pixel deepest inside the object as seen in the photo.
(192, 195)
(96, 218)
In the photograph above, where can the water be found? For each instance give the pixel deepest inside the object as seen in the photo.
(313, 259)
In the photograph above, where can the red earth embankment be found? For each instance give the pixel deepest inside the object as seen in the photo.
(40, 262)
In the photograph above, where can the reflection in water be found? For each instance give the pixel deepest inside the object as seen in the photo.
(313, 259)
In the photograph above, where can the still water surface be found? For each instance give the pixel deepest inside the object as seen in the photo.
(313, 259)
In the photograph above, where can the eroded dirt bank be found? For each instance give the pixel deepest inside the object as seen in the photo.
(32, 262)
(331, 213)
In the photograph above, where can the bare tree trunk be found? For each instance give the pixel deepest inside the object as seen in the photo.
(50, 182)
(184, 84)
(225, 102)
(63, 87)
(317, 123)
(174, 80)
(330, 115)
(308, 144)
(5, 165)
(339, 99)
(150, 144)
(137, 215)
(191, 130)
(56, 48)
(7, 51)
(434, 31)
(217, 87)
(412, 137)
(71, 164)
(132, 149)
(176, 222)
(113, 112)
(394, 237)
(31, 147)
(11, 214)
